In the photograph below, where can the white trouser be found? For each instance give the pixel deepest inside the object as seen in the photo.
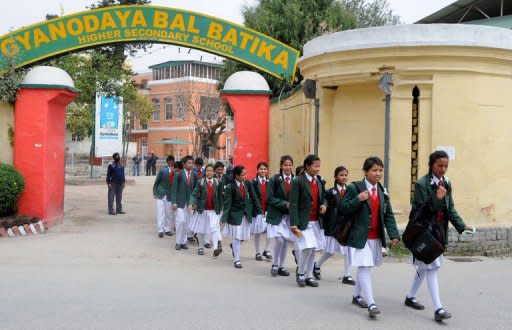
(170, 215)
(182, 220)
(162, 220)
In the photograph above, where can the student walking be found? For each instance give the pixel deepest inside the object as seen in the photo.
(162, 194)
(259, 223)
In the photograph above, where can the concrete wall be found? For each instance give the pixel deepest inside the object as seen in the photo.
(6, 121)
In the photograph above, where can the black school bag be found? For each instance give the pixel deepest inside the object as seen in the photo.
(344, 222)
(422, 237)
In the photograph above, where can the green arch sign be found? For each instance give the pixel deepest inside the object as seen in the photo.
(136, 23)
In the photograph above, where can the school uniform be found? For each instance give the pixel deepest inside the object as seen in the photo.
(306, 197)
(183, 184)
(162, 192)
(259, 223)
(373, 216)
(237, 215)
(443, 212)
(207, 198)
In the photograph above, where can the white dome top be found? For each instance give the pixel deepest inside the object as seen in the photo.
(48, 75)
(246, 81)
(462, 35)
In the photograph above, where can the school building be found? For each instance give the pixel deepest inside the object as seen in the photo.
(183, 94)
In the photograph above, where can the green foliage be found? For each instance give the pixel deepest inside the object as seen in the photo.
(79, 120)
(10, 134)
(12, 185)
(10, 81)
(297, 22)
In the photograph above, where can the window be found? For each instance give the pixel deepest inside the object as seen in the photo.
(180, 107)
(156, 110)
(168, 108)
(209, 108)
(143, 124)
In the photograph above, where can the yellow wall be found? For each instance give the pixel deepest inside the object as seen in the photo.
(6, 121)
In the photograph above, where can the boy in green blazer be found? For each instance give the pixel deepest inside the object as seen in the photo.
(182, 187)
(307, 205)
(162, 194)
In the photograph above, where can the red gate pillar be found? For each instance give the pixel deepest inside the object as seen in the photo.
(39, 141)
(248, 94)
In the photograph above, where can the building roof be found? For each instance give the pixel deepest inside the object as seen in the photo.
(482, 12)
(174, 63)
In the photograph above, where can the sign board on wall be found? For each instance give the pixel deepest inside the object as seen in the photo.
(109, 126)
(136, 23)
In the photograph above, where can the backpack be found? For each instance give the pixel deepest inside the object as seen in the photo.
(422, 237)
(344, 222)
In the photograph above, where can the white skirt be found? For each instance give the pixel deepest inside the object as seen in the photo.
(333, 247)
(258, 225)
(369, 256)
(242, 232)
(281, 230)
(420, 265)
(204, 223)
(311, 238)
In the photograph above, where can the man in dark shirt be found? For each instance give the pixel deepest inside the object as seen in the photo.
(115, 181)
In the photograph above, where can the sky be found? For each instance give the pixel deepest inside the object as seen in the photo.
(16, 14)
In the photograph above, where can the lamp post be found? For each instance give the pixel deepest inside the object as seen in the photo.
(386, 85)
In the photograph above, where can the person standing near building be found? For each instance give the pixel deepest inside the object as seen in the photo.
(161, 193)
(136, 164)
(182, 187)
(368, 203)
(116, 182)
(154, 159)
(434, 188)
(148, 164)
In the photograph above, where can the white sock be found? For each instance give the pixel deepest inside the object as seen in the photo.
(215, 237)
(284, 250)
(419, 276)
(236, 249)
(277, 250)
(257, 243)
(267, 244)
(323, 259)
(365, 281)
(348, 267)
(433, 288)
(200, 237)
(310, 264)
(303, 260)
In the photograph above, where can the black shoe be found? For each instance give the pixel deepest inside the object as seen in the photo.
(200, 251)
(441, 314)
(207, 246)
(160, 235)
(413, 303)
(274, 270)
(191, 239)
(120, 212)
(283, 272)
(217, 251)
(373, 311)
(184, 246)
(267, 255)
(112, 213)
(168, 233)
(259, 257)
(359, 301)
(311, 282)
(237, 264)
(178, 247)
(316, 272)
(348, 280)
(301, 281)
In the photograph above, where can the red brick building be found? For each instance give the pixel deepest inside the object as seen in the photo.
(181, 91)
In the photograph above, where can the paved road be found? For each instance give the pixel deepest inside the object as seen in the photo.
(111, 272)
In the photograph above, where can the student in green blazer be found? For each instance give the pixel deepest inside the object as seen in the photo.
(182, 187)
(372, 212)
(161, 193)
(278, 215)
(259, 223)
(307, 205)
(436, 188)
(332, 247)
(206, 200)
(237, 211)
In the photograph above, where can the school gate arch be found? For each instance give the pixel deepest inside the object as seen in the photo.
(39, 144)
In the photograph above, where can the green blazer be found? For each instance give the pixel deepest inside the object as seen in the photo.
(181, 191)
(235, 207)
(333, 199)
(351, 205)
(200, 193)
(277, 200)
(161, 186)
(257, 208)
(301, 201)
(424, 189)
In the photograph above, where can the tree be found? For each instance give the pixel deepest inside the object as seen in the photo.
(10, 81)
(297, 22)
